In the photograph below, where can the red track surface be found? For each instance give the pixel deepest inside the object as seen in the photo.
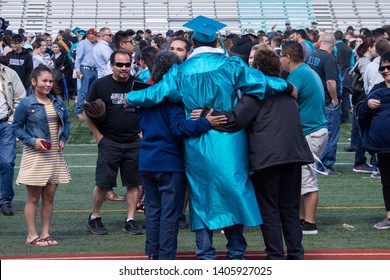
(250, 255)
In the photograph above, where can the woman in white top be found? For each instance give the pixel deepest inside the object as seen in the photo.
(39, 56)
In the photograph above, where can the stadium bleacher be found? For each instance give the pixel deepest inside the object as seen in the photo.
(161, 15)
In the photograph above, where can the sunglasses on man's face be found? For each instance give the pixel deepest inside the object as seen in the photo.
(383, 68)
(121, 64)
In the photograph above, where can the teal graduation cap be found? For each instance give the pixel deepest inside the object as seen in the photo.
(75, 30)
(205, 29)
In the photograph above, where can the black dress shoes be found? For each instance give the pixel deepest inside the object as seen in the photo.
(7, 208)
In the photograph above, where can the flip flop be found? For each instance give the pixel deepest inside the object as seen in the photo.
(37, 242)
(50, 241)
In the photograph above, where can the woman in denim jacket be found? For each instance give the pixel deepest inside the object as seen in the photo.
(41, 122)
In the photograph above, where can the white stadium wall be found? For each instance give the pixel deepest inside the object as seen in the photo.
(161, 15)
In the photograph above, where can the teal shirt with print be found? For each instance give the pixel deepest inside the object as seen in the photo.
(311, 98)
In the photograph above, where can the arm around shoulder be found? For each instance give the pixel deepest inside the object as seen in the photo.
(181, 127)
(242, 114)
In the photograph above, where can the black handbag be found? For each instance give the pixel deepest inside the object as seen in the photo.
(353, 83)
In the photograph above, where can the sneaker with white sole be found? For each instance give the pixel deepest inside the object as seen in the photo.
(385, 224)
(331, 172)
(309, 228)
(363, 168)
(376, 174)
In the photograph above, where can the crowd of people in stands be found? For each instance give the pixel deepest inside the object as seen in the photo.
(221, 81)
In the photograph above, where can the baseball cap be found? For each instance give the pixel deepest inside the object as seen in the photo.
(76, 30)
(170, 33)
(30, 34)
(205, 29)
(92, 31)
(249, 32)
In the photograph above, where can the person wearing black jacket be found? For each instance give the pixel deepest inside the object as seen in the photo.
(20, 60)
(63, 65)
(277, 151)
(244, 46)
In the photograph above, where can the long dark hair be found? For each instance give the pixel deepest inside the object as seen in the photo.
(57, 81)
(363, 48)
(148, 55)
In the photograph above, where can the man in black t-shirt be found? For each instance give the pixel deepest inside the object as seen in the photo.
(118, 142)
(324, 63)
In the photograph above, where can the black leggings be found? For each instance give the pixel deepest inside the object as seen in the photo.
(384, 168)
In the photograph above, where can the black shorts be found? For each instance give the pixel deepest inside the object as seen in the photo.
(114, 156)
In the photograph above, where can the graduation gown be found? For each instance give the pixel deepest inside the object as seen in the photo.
(216, 163)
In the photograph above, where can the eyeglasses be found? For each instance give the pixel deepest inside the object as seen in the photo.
(121, 64)
(383, 68)
(110, 35)
(129, 41)
(283, 55)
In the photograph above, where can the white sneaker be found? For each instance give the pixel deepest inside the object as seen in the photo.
(385, 224)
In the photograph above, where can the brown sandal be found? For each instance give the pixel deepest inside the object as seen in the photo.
(37, 242)
(50, 241)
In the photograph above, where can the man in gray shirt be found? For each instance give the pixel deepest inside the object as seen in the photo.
(11, 92)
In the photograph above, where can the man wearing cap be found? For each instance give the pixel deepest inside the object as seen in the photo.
(30, 39)
(85, 67)
(244, 45)
(170, 35)
(221, 194)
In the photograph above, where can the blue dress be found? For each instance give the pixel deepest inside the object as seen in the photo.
(221, 193)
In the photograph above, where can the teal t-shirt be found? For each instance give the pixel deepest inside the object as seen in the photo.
(311, 98)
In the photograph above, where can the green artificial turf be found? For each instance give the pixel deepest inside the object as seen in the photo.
(352, 198)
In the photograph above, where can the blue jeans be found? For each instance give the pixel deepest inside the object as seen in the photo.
(89, 76)
(164, 199)
(328, 157)
(236, 243)
(7, 162)
(360, 150)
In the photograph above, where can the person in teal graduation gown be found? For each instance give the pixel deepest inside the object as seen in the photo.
(221, 194)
